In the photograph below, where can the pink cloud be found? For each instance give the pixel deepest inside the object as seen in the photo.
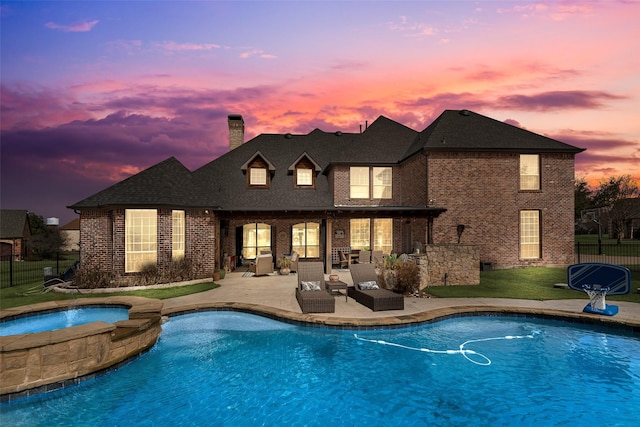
(178, 47)
(558, 100)
(79, 27)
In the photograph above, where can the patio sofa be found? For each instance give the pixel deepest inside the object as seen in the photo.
(378, 299)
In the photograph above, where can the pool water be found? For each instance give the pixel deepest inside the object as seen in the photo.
(236, 369)
(62, 319)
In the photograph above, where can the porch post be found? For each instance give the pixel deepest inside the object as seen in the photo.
(328, 245)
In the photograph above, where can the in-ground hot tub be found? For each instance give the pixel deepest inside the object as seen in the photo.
(35, 362)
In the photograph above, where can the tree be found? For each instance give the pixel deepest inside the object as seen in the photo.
(613, 194)
(582, 201)
(46, 241)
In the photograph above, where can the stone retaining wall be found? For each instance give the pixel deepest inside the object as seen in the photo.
(31, 363)
(448, 264)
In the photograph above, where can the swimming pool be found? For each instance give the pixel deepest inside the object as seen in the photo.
(236, 369)
(62, 319)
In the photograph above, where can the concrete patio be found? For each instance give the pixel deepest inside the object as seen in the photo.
(274, 296)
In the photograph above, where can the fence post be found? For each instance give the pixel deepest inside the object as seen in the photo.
(11, 268)
(58, 262)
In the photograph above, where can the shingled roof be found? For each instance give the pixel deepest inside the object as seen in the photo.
(13, 223)
(221, 183)
(168, 183)
(464, 130)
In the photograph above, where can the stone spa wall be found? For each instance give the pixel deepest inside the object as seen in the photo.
(448, 264)
(33, 363)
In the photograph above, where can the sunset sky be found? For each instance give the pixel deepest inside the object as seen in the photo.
(93, 92)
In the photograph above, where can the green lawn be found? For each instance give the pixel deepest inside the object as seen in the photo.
(34, 293)
(524, 283)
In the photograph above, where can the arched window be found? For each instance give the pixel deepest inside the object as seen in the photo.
(305, 239)
(256, 237)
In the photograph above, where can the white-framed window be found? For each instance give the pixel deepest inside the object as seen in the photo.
(529, 234)
(141, 239)
(379, 237)
(304, 177)
(374, 182)
(258, 176)
(382, 183)
(305, 239)
(529, 172)
(359, 182)
(255, 238)
(177, 235)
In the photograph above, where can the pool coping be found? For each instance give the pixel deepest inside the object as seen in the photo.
(406, 320)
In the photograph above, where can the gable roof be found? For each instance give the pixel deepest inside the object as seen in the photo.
(13, 223)
(168, 183)
(464, 130)
(221, 183)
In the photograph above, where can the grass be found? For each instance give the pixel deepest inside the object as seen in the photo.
(534, 283)
(34, 294)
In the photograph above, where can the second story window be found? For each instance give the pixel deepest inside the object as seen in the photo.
(304, 177)
(359, 181)
(529, 172)
(258, 176)
(367, 183)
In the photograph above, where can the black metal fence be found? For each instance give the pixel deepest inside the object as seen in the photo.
(15, 273)
(625, 254)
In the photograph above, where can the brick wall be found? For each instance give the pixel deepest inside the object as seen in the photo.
(481, 191)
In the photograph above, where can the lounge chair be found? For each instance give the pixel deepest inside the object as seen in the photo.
(311, 293)
(263, 265)
(376, 299)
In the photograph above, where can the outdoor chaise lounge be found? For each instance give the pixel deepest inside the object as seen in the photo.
(311, 292)
(376, 299)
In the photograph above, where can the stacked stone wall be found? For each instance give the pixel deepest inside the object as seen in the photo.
(448, 265)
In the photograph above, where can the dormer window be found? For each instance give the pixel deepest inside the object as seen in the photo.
(258, 171)
(257, 176)
(304, 177)
(304, 171)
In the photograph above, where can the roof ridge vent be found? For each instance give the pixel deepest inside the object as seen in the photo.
(288, 136)
(338, 133)
(465, 112)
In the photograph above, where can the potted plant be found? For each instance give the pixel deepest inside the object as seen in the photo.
(285, 265)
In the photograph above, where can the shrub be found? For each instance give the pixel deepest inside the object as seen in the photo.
(407, 277)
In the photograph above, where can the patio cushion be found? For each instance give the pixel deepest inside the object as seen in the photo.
(311, 286)
(368, 285)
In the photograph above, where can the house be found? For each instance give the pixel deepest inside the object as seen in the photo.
(465, 179)
(71, 233)
(15, 234)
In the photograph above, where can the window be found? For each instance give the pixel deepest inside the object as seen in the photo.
(367, 181)
(258, 176)
(304, 177)
(379, 239)
(383, 235)
(359, 180)
(305, 239)
(529, 234)
(141, 240)
(529, 172)
(359, 233)
(256, 237)
(381, 183)
(177, 235)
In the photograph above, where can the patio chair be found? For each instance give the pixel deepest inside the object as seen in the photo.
(311, 293)
(344, 260)
(377, 258)
(263, 265)
(293, 259)
(365, 257)
(377, 299)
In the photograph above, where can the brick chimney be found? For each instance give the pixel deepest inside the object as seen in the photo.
(236, 131)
